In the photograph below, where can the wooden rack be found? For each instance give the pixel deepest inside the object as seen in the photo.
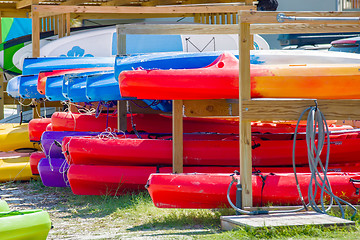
(57, 14)
(251, 22)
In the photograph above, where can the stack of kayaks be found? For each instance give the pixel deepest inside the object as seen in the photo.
(114, 164)
(87, 153)
(23, 224)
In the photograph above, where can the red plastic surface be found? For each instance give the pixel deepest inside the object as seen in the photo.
(220, 80)
(156, 123)
(37, 127)
(209, 190)
(35, 158)
(206, 149)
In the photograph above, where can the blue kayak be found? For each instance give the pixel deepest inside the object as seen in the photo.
(168, 60)
(12, 87)
(102, 87)
(35, 65)
(53, 88)
(28, 87)
(76, 85)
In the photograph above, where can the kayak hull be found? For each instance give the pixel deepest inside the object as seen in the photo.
(35, 158)
(209, 190)
(53, 172)
(220, 80)
(206, 149)
(24, 224)
(37, 127)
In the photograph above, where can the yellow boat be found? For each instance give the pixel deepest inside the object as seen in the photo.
(15, 137)
(15, 168)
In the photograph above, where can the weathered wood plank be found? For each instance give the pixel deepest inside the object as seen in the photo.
(178, 29)
(245, 125)
(277, 109)
(271, 17)
(211, 107)
(35, 34)
(283, 219)
(122, 115)
(55, 9)
(278, 28)
(177, 134)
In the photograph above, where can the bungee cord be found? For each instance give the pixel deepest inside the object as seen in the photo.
(319, 182)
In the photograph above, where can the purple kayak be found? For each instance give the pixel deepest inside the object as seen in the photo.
(51, 141)
(53, 172)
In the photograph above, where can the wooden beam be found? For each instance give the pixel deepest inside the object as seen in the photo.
(210, 107)
(245, 125)
(124, 16)
(122, 115)
(35, 37)
(37, 111)
(120, 3)
(68, 23)
(234, 28)
(53, 9)
(73, 2)
(21, 13)
(271, 17)
(278, 109)
(279, 28)
(177, 135)
(178, 29)
(24, 3)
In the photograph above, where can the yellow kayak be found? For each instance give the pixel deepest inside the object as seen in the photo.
(15, 137)
(15, 168)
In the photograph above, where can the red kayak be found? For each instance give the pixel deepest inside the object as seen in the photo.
(62, 121)
(37, 127)
(209, 190)
(118, 180)
(205, 149)
(35, 158)
(44, 75)
(220, 80)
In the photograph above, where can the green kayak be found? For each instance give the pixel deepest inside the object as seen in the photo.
(25, 224)
(4, 207)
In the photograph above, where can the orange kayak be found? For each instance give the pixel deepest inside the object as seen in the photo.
(220, 80)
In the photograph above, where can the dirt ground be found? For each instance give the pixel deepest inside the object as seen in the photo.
(70, 223)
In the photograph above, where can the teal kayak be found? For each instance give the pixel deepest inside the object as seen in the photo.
(24, 224)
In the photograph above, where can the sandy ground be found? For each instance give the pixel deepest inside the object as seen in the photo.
(67, 225)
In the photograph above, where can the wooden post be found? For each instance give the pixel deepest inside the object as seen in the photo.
(67, 24)
(121, 105)
(1, 83)
(228, 18)
(245, 125)
(122, 115)
(177, 135)
(56, 24)
(35, 34)
(37, 111)
(197, 18)
(36, 49)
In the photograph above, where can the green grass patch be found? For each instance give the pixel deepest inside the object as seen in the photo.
(134, 213)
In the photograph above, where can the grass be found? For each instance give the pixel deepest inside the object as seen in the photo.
(135, 215)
